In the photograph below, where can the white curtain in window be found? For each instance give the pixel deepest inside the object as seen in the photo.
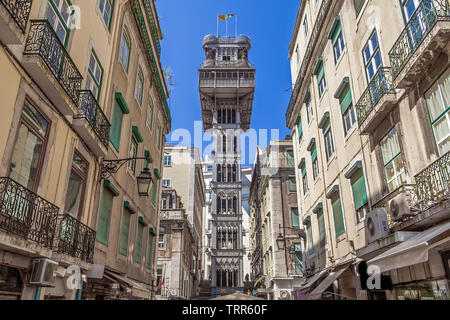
(442, 133)
(390, 146)
(445, 88)
(434, 102)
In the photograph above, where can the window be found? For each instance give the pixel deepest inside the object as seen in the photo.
(309, 111)
(321, 79)
(139, 85)
(124, 232)
(358, 4)
(300, 129)
(167, 161)
(290, 159)
(132, 153)
(76, 188)
(305, 26)
(348, 110)
(149, 259)
(372, 56)
(59, 15)
(95, 76)
(304, 179)
(329, 142)
(309, 236)
(391, 155)
(105, 217)
(138, 250)
(106, 7)
(116, 125)
(125, 49)
(149, 119)
(359, 195)
(292, 184)
(29, 149)
(322, 230)
(298, 259)
(295, 218)
(315, 163)
(438, 102)
(338, 215)
(337, 38)
(166, 182)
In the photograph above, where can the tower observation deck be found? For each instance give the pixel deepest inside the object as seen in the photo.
(226, 86)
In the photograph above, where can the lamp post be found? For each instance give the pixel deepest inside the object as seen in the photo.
(144, 180)
(281, 242)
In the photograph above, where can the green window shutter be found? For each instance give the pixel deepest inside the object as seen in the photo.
(154, 192)
(304, 171)
(105, 217)
(124, 232)
(300, 127)
(148, 261)
(138, 251)
(320, 74)
(116, 126)
(137, 134)
(359, 190)
(322, 232)
(122, 103)
(292, 185)
(295, 218)
(314, 154)
(338, 216)
(290, 159)
(346, 100)
(335, 31)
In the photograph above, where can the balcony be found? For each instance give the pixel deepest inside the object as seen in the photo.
(48, 62)
(433, 183)
(14, 16)
(23, 213)
(223, 79)
(421, 42)
(376, 101)
(92, 124)
(74, 239)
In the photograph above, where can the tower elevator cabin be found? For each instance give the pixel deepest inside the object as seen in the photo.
(227, 86)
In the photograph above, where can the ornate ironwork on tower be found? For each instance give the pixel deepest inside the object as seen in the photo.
(226, 85)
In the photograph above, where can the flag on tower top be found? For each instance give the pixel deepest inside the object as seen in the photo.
(226, 16)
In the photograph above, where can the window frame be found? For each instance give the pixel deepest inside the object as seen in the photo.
(84, 178)
(125, 39)
(92, 76)
(111, 3)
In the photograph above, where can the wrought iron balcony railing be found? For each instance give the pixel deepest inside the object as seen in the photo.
(419, 26)
(43, 41)
(433, 183)
(75, 239)
(380, 85)
(24, 213)
(91, 111)
(19, 11)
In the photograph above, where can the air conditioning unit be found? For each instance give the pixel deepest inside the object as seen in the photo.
(377, 225)
(285, 295)
(400, 207)
(43, 272)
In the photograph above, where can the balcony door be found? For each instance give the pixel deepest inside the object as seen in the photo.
(59, 14)
(421, 16)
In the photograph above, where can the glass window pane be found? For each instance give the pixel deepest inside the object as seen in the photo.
(434, 102)
(74, 193)
(445, 88)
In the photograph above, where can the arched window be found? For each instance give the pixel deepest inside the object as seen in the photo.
(139, 90)
(235, 205)
(224, 143)
(219, 173)
(229, 173)
(234, 173)
(235, 144)
(233, 116)
(125, 48)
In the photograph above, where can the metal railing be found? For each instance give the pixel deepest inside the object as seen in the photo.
(75, 238)
(380, 85)
(43, 41)
(24, 213)
(420, 24)
(91, 111)
(433, 183)
(19, 11)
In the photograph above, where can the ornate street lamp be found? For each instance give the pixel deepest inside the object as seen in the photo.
(281, 242)
(144, 180)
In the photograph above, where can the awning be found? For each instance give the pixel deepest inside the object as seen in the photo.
(412, 251)
(137, 290)
(312, 280)
(317, 292)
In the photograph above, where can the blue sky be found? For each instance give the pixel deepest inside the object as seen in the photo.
(268, 23)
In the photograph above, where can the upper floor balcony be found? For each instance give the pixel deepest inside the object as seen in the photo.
(92, 124)
(376, 101)
(212, 79)
(429, 196)
(25, 214)
(74, 239)
(14, 16)
(424, 38)
(48, 62)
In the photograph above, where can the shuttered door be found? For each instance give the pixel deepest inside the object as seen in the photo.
(338, 216)
(138, 251)
(105, 217)
(116, 126)
(359, 190)
(124, 232)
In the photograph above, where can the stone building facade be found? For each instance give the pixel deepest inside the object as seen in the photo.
(79, 79)
(369, 114)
